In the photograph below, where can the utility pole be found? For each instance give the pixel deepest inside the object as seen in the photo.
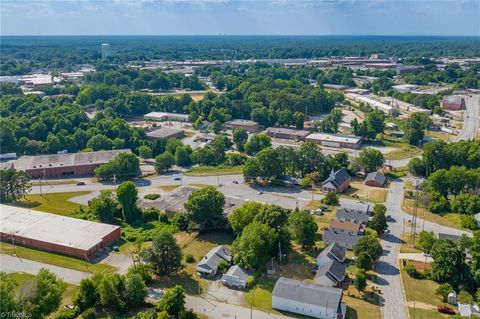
(414, 219)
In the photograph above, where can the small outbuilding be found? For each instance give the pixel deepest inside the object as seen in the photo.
(235, 277)
(452, 298)
(375, 179)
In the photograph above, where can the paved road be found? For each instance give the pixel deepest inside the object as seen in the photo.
(11, 264)
(393, 304)
(415, 256)
(219, 310)
(470, 119)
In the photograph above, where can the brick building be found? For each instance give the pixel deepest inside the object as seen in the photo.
(250, 126)
(68, 164)
(287, 133)
(59, 234)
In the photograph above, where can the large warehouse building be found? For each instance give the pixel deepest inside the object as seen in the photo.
(63, 235)
(68, 164)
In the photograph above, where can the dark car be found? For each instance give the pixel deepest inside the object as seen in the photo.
(177, 178)
(445, 309)
(80, 183)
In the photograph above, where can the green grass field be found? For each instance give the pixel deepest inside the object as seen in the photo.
(54, 259)
(212, 170)
(56, 203)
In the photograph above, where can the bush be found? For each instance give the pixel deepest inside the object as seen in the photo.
(189, 258)
(150, 214)
(66, 314)
(250, 281)
(89, 313)
(152, 196)
(469, 222)
(412, 271)
(163, 218)
(222, 266)
(181, 221)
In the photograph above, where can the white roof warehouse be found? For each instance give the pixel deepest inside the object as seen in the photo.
(59, 234)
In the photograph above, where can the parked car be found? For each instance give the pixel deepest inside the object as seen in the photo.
(426, 255)
(177, 178)
(235, 182)
(80, 183)
(260, 193)
(445, 309)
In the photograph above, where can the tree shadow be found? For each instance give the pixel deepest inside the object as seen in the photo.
(384, 268)
(191, 285)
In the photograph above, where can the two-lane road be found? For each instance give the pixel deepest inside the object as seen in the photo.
(470, 118)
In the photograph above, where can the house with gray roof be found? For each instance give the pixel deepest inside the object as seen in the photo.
(343, 239)
(208, 266)
(334, 252)
(358, 206)
(468, 310)
(337, 181)
(375, 179)
(235, 277)
(308, 299)
(353, 216)
(329, 272)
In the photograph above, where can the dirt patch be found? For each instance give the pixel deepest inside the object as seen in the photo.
(420, 305)
(218, 292)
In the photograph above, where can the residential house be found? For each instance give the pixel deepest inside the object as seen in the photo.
(308, 299)
(337, 182)
(348, 227)
(375, 179)
(342, 239)
(329, 272)
(208, 266)
(334, 252)
(358, 206)
(354, 216)
(235, 277)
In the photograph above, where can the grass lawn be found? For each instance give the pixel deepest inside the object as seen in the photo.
(449, 219)
(56, 203)
(365, 192)
(54, 259)
(361, 309)
(403, 151)
(418, 313)
(55, 182)
(212, 170)
(420, 290)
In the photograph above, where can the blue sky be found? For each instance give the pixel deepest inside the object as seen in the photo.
(234, 17)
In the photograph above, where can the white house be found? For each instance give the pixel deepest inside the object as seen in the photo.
(308, 299)
(468, 310)
(208, 265)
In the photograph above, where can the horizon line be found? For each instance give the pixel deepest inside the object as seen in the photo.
(240, 35)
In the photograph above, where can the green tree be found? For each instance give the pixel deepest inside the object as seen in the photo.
(379, 220)
(253, 247)
(303, 228)
(443, 290)
(7, 295)
(14, 185)
(364, 261)
(330, 199)
(164, 254)
(371, 159)
(172, 301)
(205, 207)
(243, 216)
(240, 137)
(257, 143)
(104, 207)
(163, 162)
(182, 155)
(86, 295)
(127, 196)
(448, 263)
(311, 159)
(145, 152)
(426, 240)
(135, 289)
(370, 245)
(465, 298)
(124, 165)
(360, 281)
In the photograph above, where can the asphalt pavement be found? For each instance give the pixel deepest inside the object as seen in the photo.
(470, 118)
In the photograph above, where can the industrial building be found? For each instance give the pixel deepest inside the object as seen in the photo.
(453, 102)
(377, 105)
(335, 140)
(287, 133)
(59, 234)
(250, 126)
(405, 88)
(166, 133)
(166, 116)
(65, 164)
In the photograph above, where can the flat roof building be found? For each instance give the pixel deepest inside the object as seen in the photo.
(250, 126)
(60, 234)
(335, 140)
(166, 116)
(405, 88)
(66, 164)
(165, 133)
(453, 102)
(287, 133)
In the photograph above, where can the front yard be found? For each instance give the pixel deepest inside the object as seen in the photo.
(358, 190)
(55, 203)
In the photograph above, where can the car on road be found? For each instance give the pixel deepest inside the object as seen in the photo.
(235, 182)
(80, 183)
(231, 204)
(260, 193)
(426, 255)
(177, 178)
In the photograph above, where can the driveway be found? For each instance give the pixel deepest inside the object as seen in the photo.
(216, 291)
(11, 264)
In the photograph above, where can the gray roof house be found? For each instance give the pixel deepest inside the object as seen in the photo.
(208, 266)
(235, 277)
(343, 239)
(358, 206)
(308, 299)
(375, 179)
(330, 272)
(334, 252)
(352, 216)
(468, 310)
